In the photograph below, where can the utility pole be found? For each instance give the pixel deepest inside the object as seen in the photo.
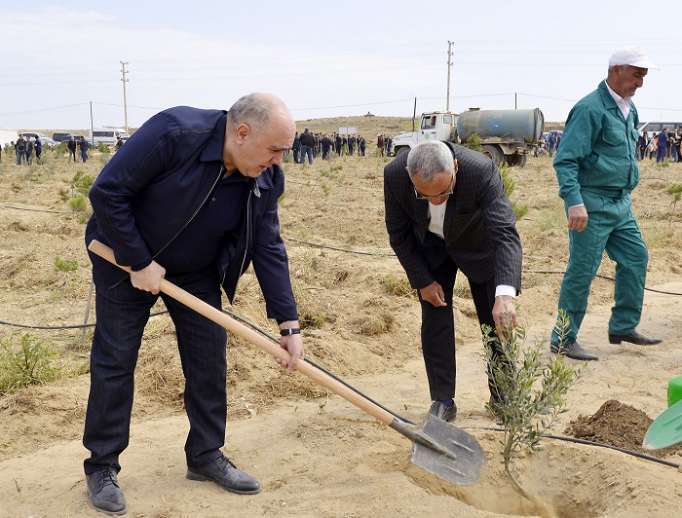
(414, 113)
(516, 101)
(447, 101)
(92, 129)
(124, 80)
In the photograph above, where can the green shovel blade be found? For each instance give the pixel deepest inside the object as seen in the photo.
(666, 430)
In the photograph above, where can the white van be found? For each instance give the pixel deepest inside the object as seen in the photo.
(107, 136)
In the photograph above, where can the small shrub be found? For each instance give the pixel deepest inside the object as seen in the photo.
(65, 265)
(397, 285)
(533, 392)
(28, 363)
(103, 148)
(474, 142)
(78, 203)
(375, 324)
(675, 190)
(520, 210)
(507, 180)
(82, 182)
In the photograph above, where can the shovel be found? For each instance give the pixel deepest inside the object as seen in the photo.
(438, 447)
(666, 430)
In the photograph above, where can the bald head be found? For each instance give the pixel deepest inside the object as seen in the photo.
(257, 110)
(259, 130)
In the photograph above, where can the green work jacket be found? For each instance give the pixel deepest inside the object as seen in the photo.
(598, 149)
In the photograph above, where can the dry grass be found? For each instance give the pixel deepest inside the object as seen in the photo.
(353, 308)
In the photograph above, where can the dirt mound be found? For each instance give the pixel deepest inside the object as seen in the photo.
(616, 424)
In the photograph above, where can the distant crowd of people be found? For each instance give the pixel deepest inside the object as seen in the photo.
(664, 146)
(26, 147)
(309, 145)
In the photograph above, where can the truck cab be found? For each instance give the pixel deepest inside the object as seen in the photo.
(433, 126)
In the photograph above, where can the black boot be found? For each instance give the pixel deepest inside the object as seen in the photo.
(104, 492)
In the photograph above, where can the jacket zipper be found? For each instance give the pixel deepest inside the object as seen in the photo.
(184, 226)
(255, 190)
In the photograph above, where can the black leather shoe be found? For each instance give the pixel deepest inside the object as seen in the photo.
(442, 411)
(226, 475)
(104, 492)
(573, 350)
(633, 338)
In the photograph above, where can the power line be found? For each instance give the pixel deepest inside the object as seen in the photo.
(37, 110)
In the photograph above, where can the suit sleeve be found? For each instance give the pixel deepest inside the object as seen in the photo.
(270, 261)
(402, 238)
(128, 172)
(500, 222)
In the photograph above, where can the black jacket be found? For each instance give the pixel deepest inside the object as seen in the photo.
(153, 187)
(307, 139)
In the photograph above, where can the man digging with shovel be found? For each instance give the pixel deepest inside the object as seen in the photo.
(195, 190)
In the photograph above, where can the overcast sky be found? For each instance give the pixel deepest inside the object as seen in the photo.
(324, 58)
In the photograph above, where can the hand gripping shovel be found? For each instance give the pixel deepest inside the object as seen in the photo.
(666, 430)
(439, 448)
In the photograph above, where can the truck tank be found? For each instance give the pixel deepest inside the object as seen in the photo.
(511, 125)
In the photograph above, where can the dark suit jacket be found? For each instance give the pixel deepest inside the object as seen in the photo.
(479, 225)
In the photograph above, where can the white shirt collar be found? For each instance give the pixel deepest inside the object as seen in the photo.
(622, 102)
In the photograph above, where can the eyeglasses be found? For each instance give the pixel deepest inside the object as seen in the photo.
(445, 193)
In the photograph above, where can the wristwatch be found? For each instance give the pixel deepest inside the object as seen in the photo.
(290, 331)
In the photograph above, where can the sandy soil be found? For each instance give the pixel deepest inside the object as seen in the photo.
(314, 453)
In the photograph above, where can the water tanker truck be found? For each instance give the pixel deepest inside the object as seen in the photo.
(505, 135)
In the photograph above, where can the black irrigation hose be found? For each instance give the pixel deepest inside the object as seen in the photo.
(247, 323)
(576, 440)
(544, 272)
(8, 206)
(605, 277)
(327, 247)
(73, 326)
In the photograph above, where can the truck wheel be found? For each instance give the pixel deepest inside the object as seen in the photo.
(494, 153)
(517, 160)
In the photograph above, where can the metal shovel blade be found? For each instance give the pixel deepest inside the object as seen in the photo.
(666, 430)
(460, 457)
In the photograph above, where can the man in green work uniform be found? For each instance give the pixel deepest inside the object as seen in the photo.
(596, 166)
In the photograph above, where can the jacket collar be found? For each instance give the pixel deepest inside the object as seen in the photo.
(213, 149)
(608, 100)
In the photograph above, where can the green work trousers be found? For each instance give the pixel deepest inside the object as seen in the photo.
(612, 227)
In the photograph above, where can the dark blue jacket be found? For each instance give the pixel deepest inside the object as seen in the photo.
(153, 187)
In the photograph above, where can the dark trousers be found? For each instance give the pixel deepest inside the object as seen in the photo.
(438, 326)
(122, 312)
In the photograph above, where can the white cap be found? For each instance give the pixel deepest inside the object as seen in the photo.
(633, 56)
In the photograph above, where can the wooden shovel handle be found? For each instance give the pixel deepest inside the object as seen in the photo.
(256, 338)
